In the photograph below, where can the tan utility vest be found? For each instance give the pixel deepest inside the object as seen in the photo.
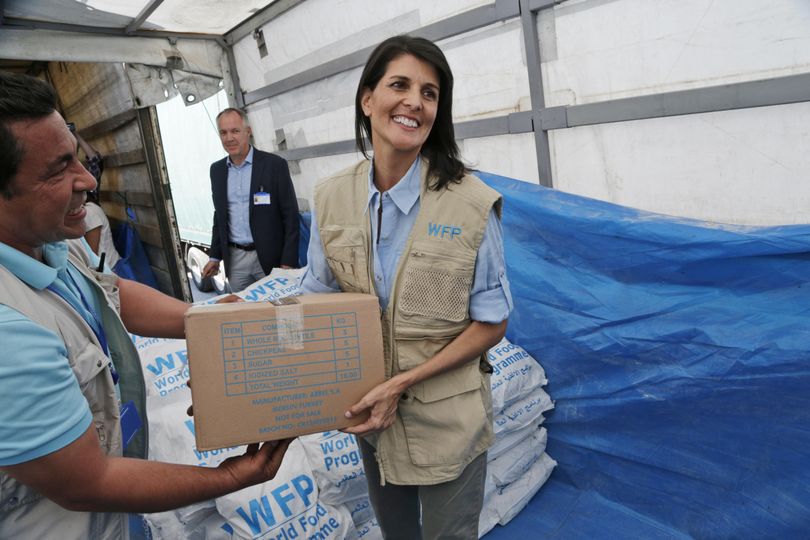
(445, 422)
(24, 513)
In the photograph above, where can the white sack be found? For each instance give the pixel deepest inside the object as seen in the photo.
(504, 503)
(336, 462)
(286, 507)
(514, 463)
(165, 367)
(171, 439)
(280, 283)
(526, 411)
(360, 509)
(515, 374)
(370, 530)
(506, 441)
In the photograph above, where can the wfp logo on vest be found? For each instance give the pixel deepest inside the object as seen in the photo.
(444, 232)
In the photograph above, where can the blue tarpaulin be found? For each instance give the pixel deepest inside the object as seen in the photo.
(304, 223)
(677, 354)
(134, 263)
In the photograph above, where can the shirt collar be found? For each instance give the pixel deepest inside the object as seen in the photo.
(248, 159)
(36, 274)
(405, 193)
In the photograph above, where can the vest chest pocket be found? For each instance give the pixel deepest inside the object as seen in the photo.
(345, 254)
(95, 382)
(436, 286)
(91, 371)
(109, 283)
(345, 273)
(87, 361)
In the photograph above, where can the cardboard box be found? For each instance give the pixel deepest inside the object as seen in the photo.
(269, 370)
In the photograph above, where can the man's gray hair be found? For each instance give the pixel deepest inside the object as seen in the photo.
(240, 112)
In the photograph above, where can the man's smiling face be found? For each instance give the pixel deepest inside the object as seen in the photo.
(234, 135)
(49, 189)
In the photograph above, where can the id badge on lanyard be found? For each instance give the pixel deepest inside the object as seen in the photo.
(261, 197)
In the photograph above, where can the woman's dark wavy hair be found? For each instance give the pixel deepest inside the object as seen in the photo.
(21, 98)
(440, 148)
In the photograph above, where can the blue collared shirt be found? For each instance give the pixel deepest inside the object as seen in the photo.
(42, 408)
(239, 200)
(490, 298)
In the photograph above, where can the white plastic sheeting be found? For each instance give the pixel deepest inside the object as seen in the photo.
(745, 166)
(741, 166)
(197, 16)
(343, 26)
(594, 51)
(190, 144)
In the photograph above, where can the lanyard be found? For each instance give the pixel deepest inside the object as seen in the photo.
(88, 313)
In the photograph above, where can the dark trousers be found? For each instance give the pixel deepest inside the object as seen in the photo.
(448, 511)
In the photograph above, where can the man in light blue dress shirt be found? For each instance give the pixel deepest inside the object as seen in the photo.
(256, 220)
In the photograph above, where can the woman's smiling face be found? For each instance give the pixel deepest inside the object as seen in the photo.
(402, 107)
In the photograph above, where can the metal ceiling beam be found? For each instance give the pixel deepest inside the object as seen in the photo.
(537, 5)
(142, 16)
(246, 28)
(327, 69)
(726, 97)
(468, 21)
(510, 124)
(768, 92)
(205, 56)
(13, 22)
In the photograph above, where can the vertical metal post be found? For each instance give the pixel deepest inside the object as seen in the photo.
(238, 96)
(164, 207)
(528, 19)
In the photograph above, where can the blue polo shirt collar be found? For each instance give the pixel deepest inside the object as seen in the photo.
(248, 160)
(405, 193)
(36, 274)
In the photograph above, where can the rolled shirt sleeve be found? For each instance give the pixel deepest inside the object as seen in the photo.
(318, 277)
(490, 297)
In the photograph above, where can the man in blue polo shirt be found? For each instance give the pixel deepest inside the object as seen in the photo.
(62, 470)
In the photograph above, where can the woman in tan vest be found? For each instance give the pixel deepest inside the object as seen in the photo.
(415, 228)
